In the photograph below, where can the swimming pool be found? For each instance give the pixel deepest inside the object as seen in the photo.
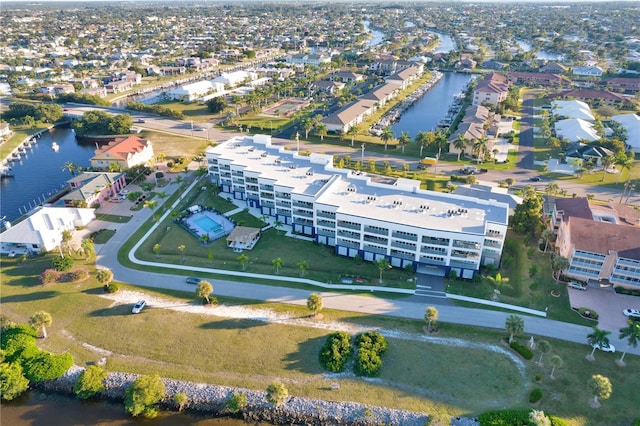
(207, 224)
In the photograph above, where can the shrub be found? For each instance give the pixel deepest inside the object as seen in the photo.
(169, 164)
(504, 417)
(78, 275)
(12, 381)
(237, 402)
(142, 397)
(62, 263)
(371, 346)
(336, 351)
(588, 313)
(557, 421)
(111, 287)
(524, 351)
(537, 377)
(277, 393)
(180, 399)
(535, 395)
(47, 366)
(90, 382)
(18, 341)
(49, 276)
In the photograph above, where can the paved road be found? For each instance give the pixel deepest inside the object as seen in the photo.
(412, 307)
(525, 148)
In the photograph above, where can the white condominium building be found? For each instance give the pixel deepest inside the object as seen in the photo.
(359, 213)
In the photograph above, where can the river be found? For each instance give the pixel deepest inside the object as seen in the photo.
(542, 54)
(376, 36)
(445, 43)
(432, 107)
(38, 174)
(35, 408)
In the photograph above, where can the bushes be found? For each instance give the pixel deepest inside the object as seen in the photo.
(336, 351)
(142, 397)
(49, 276)
(513, 417)
(47, 366)
(588, 313)
(535, 395)
(237, 402)
(630, 292)
(90, 382)
(524, 351)
(370, 348)
(78, 275)
(111, 287)
(62, 263)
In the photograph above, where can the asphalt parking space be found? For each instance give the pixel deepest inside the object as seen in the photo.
(607, 303)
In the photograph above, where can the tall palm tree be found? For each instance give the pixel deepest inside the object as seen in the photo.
(387, 136)
(70, 167)
(632, 333)
(624, 163)
(440, 141)
(353, 131)
(422, 140)
(382, 265)
(277, 264)
(513, 325)
(321, 130)
(460, 143)
(404, 140)
(556, 362)
(598, 339)
(547, 235)
(481, 147)
(607, 161)
(307, 125)
(243, 259)
(40, 321)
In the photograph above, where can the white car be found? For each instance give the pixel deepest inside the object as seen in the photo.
(605, 347)
(124, 192)
(140, 304)
(632, 313)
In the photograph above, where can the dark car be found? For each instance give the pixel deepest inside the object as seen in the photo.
(193, 280)
(535, 179)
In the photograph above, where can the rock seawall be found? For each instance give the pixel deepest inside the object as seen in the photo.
(206, 398)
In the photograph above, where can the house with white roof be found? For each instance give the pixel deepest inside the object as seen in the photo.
(193, 91)
(576, 129)
(572, 109)
(42, 230)
(589, 71)
(361, 214)
(631, 122)
(235, 78)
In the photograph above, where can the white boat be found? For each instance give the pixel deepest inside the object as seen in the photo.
(55, 146)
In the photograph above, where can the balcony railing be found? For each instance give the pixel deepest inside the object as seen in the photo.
(375, 230)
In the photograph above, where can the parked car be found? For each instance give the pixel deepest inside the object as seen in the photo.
(124, 192)
(535, 179)
(605, 347)
(632, 313)
(193, 280)
(468, 170)
(577, 285)
(140, 304)
(140, 120)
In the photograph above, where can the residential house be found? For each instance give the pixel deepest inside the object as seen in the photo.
(553, 68)
(493, 88)
(602, 243)
(493, 65)
(315, 59)
(329, 87)
(361, 214)
(538, 79)
(5, 131)
(42, 230)
(93, 188)
(575, 130)
(349, 115)
(347, 77)
(592, 153)
(125, 152)
(625, 85)
(118, 86)
(594, 96)
(381, 94)
(589, 71)
(631, 122)
(193, 91)
(404, 77)
(572, 109)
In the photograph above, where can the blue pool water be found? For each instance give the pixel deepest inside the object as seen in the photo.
(207, 224)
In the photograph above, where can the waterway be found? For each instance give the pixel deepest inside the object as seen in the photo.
(376, 36)
(445, 43)
(38, 173)
(424, 115)
(542, 54)
(35, 408)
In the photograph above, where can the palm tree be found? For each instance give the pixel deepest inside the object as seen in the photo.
(597, 339)
(632, 333)
(353, 131)
(422, 140)
(314, 303)
(277, 264)
(624, 163)
(243, 259)
(156, 250)
(277, 224)
(514, 325)
(547, 235)
(382, 265)
(607, 161)
(544, 347)
(204, 239)
(387, 136)
(498, 280)
(302, 267)
(41, 320)
(71, 167)
(460, 143)
(481, 147)
(556, 362)
(204, 290)
(181, 248)
(559, 263)
(321, 130)
(552, 188)
(440, 141)
(307, 125)
(87, 247)
(430, 315)
(600, 387)
(404, 140)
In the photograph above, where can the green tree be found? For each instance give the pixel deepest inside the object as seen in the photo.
(277, 393)
(598, 338)
(632, 333)
(559, 263)
(514, 325)
(217, 104)
(430, 315)
(600, 388)
(527, 215)
(460, 143)
(104, 276)
(302, 267)
(70, 167)
(204, 290)
(404, 140)
(47, 366)
(237, 402)
(243, 259)
(382, 265)
(277, 264)
(12, 380)
(321, 130)
(181, 248)
(544, 347)
(547, 236)
(336, 351)
(314, 303)
(142, 397)
(40, 321)
(87, 247)
(556, 362)
(90, 382)
(387, 136)
(499, 280)
(156, 250)
(180, 399)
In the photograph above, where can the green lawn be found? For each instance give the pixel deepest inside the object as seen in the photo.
(416, 375)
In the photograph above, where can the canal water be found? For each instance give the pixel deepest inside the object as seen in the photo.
(445, 43)
(35, 408)
(542, 54)
(424, 115)
(38, 173)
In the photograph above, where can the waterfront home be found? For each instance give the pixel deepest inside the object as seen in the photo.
(590, 95)
(125, 152)
(493, 89)
(538, 79)
(5, 131)
(93, 188)
(553, 68)
(42, 230)
(358, 213)
(350, 115)
(602, 242)
(572, 109)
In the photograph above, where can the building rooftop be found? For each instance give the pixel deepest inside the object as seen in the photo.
(603, 237)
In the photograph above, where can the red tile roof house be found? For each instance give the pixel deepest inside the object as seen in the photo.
(493, 88)
(93, 188)
(126, 151)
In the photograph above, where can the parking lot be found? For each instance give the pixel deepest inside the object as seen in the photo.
(607, 304)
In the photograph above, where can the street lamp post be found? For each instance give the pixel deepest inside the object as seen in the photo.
(298, 142)
(191, 128)
(362, 157)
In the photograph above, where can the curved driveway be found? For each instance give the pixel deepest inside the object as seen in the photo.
(412, 307)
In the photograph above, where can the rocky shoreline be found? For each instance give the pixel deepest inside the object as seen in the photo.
(211, 399)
